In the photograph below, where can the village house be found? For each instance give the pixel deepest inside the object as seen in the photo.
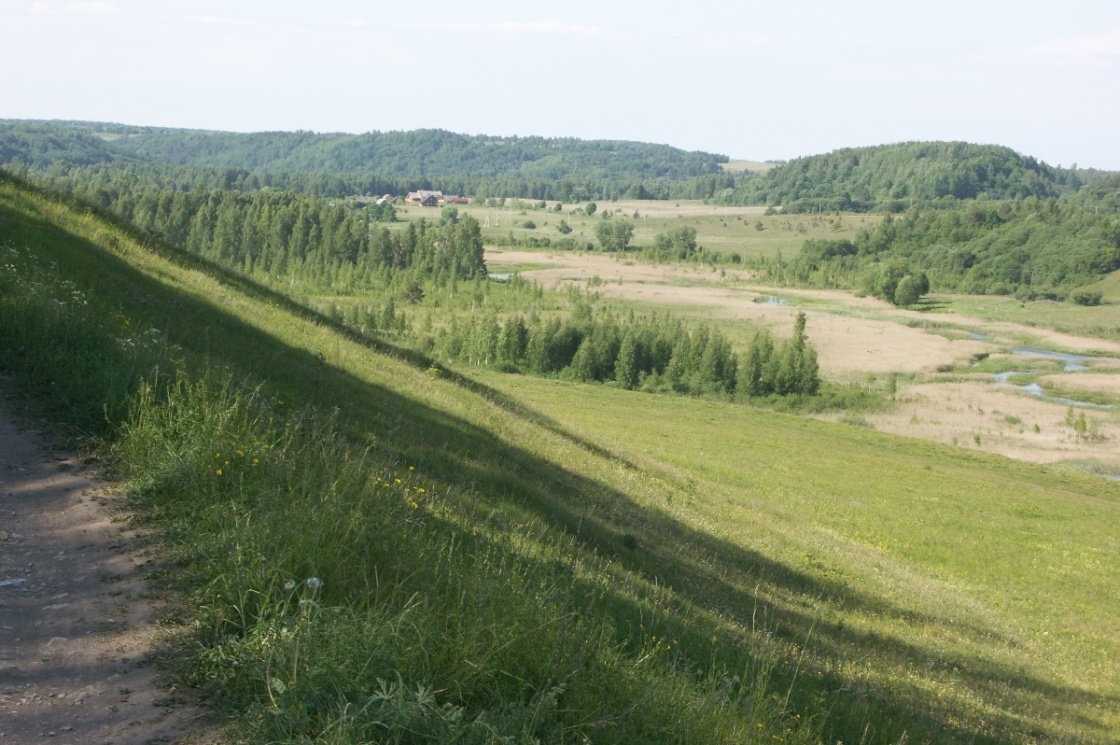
(426, 198)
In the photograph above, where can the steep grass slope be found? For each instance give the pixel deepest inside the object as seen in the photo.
(381, 550)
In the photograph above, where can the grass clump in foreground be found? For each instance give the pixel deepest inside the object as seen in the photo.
(338, 593)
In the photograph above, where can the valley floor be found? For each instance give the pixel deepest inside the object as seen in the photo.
(861, 339)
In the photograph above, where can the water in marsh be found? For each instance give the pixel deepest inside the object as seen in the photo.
(1073, 362)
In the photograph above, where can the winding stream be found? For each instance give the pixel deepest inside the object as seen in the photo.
(1073, 363)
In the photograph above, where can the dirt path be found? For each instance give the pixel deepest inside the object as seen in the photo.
(77, 624)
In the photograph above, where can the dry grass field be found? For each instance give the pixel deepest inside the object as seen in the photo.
(939, 397)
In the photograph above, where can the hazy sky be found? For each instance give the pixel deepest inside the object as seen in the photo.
(751, 80)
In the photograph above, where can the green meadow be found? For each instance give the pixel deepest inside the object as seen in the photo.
(371, 547)
(747, 231)
(1101, 321)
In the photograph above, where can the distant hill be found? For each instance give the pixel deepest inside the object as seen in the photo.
(44, 144)
(420, 154)
(887, 176)
(890, 177)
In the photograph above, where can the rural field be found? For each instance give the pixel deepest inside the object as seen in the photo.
(748, 231)
(941, 393)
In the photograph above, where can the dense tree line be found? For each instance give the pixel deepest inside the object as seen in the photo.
(1030, 247)
(656, 354)
(283, 233)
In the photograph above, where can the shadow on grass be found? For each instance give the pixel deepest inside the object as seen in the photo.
(713, 580)
(929, 305)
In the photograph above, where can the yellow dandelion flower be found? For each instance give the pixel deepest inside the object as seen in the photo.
(420, 490)
(240, 453)
(218, 472)
(256, 461)
(396, 481)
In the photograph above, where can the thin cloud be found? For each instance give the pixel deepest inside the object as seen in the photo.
(93, 9)
(552, 28)
(101, 9)
(736, 41)
(526, 28)
(1089, 50)
(219, 20)
(1093, 47)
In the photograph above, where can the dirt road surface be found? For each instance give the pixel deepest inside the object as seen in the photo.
(78, 626)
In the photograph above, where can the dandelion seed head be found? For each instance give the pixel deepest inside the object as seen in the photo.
(290, 584)
(314, 583)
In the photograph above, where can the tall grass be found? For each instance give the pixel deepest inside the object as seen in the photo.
(342, 600)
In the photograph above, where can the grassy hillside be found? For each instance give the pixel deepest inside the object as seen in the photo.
(515, 558)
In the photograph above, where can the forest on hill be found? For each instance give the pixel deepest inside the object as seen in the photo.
(884, 177)
(896, 176)
(568, 169)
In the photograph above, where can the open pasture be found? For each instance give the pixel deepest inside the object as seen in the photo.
(747, 231)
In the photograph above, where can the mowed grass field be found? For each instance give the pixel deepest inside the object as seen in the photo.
(927, 571)
(747, 231)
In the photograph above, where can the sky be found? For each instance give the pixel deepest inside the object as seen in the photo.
(759, 81)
